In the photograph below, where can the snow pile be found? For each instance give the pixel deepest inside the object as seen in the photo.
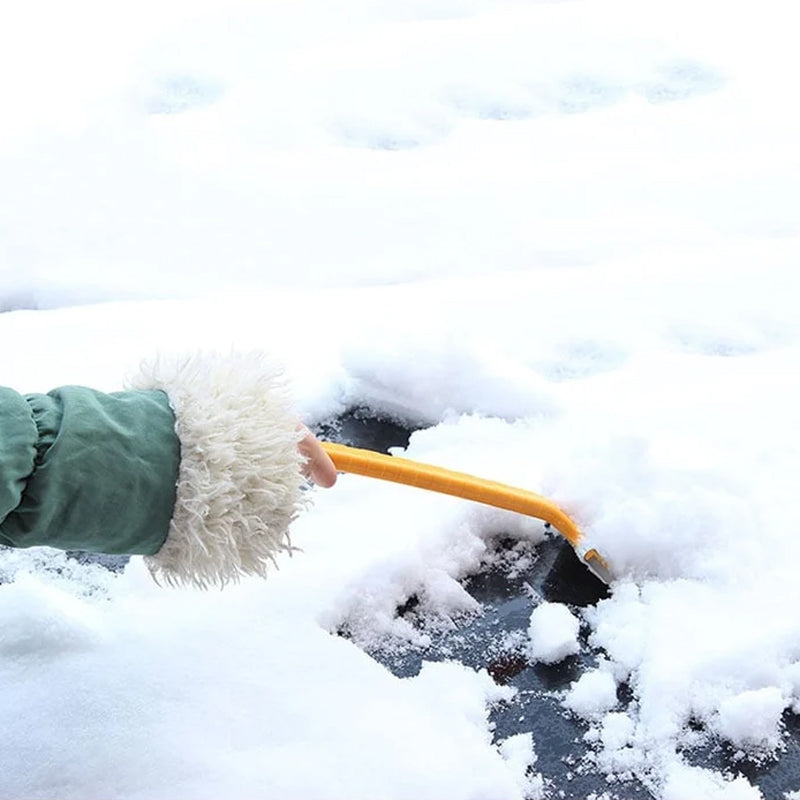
(553, 633)
(209, 691)
(36, 617)
(752, 719)
(702, 654)
(594, 693)
(520, 755)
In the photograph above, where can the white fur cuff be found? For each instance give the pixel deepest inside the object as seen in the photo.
(240, 478)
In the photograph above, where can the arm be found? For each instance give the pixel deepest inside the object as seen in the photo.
(199, 468)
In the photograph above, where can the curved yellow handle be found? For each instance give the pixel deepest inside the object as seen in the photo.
(459, 484)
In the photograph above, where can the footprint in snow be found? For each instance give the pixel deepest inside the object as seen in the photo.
(679, 80)
(728, 341)
(403, 133)
(582, 359)
(579, 93)
(175, 94)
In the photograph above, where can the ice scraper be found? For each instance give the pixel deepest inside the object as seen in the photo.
(460, 484)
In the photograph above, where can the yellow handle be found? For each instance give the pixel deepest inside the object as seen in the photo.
(459, 484)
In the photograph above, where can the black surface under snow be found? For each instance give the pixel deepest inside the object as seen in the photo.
(494, 641)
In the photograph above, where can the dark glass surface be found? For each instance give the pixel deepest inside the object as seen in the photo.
(507, 596)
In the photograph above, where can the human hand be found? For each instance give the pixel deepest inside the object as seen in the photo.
(318, 467)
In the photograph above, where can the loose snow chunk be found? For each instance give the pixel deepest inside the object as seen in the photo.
(594, 693)
(617, 731)
(39, 620)
(520, 755)
(752, 719)
(553, 633)
(683, 781)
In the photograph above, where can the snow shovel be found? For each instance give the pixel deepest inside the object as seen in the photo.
(460, 484)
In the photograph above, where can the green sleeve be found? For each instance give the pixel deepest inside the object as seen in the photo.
(84, 470)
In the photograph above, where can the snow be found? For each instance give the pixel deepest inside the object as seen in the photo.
(552, 633)
(617, 730)
(594, 693)
(562, 235)
(520, 755)
(683, 780)
(752, 719)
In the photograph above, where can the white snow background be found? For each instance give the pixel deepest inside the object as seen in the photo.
(562, 235)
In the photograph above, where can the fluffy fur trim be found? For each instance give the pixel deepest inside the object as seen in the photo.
(240, 479)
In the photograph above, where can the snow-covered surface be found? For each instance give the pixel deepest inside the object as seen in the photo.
(563, 234)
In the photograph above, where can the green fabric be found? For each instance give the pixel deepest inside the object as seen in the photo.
(18, 437)
(83, 470)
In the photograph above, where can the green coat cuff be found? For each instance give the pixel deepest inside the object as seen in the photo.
(83, 470)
